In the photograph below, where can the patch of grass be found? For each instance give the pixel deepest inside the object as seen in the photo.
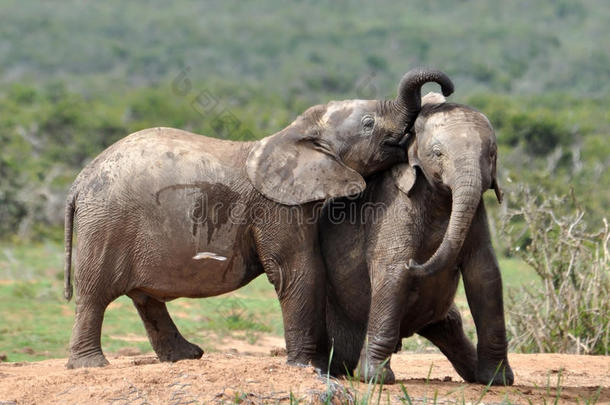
(36, 322)
(31, 261)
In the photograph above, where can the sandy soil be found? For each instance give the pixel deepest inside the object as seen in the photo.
(258, 374)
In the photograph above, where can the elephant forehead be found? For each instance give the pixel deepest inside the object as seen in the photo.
(458, 123)
(338, 112)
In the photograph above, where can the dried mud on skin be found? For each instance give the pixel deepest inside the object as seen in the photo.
(261, 379)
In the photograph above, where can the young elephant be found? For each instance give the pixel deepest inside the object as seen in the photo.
(164, 213)
(427, 210)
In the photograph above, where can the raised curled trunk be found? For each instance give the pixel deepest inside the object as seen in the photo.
(408, 100)
(466, 194)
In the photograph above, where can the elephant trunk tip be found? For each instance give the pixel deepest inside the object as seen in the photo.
(418, 270)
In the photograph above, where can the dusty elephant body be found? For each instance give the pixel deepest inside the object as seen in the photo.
(429, 210)
(164, 213)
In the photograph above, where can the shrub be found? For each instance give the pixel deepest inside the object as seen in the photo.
(568, 311)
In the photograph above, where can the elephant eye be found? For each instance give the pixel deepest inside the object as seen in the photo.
(436, 149)
(368, 122)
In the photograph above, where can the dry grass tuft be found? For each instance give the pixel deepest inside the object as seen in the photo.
(569, 310)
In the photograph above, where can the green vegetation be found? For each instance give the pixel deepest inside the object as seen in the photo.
(76, 76)
(570, 312)
(36, 321)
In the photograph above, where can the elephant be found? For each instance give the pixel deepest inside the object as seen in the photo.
(428, 209)
(164, 213)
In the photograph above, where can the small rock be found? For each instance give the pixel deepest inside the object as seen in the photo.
(278, 352)
(3, 357)
(230, 393)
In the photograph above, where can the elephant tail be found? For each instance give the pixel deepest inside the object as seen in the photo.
(68, 227)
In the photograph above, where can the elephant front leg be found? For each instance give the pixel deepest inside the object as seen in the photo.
(383, 330)
(448, 335)
(483, 286)
(300, 285)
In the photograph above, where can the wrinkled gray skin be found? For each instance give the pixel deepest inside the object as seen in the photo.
(429, 211)
(157, 212)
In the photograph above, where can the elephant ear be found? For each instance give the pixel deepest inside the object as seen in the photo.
(404, 176)
(433, 98)
(291, 168)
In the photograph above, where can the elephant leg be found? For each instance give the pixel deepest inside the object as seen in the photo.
(302, 298)
(85, 343)
(164, 337)
(448, 335)
(383, 331)
(483, 286)
(298, 276)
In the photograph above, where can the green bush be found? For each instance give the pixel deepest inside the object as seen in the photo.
(568, 311)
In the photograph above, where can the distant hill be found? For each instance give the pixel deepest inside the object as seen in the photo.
(77, 75)
(515, 47)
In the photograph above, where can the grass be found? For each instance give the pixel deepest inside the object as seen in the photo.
(36, 322)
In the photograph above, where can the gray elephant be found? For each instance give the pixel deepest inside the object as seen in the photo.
(164, 213)
(430, 210)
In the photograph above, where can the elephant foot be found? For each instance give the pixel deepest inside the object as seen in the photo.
(94, 360)
(467, 373)
(318, 362)
(465, 363)
(497, 375)
(379, 374)
(183, 350)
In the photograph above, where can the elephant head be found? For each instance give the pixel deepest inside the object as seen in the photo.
(453, 149)
(328, 150)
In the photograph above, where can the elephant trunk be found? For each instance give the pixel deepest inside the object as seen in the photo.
(408, 100)
(466, 194)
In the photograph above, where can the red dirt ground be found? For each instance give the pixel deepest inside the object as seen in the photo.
(250, 374)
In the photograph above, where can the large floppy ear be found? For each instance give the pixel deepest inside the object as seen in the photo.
(291, 168)
(405, 174)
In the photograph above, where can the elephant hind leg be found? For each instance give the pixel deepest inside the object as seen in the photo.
(448, 335)
(166, 340)
(85, 343)
(345, 342)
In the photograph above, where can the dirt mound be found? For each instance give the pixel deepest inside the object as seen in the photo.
(231, 377)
